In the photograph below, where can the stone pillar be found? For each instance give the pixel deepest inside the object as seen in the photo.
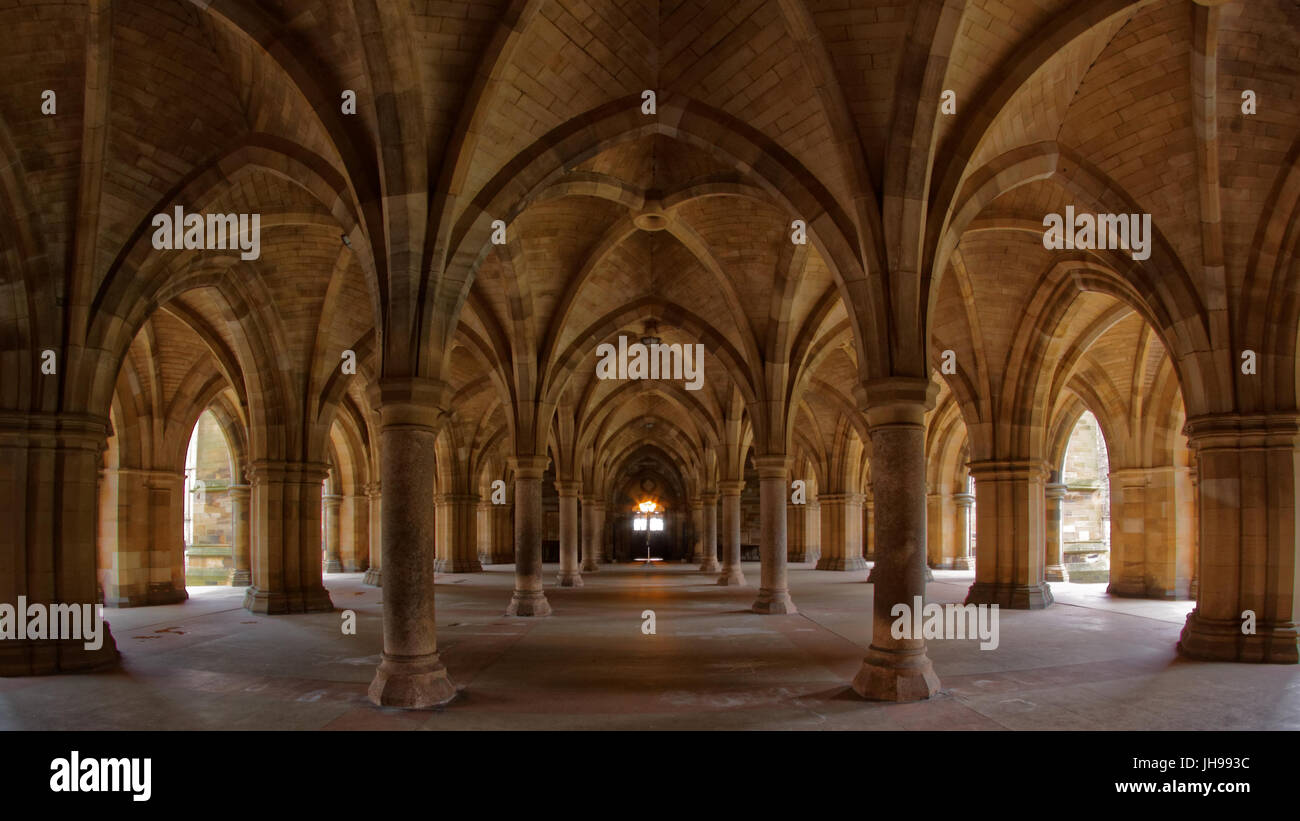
(1151, 533)
(796, 532)
(142, 544)
(1247, 489)
(709, 532)
(410, 673)
(333, 534)
(483, 515)
(503, 534)
(965, 503)
(813, 531)
(869, 529)
(355, 522)
(593, 531)
(1054, 494)
(1127, 533)
(841, 532)
(286, 531)
(938, 537)
(240, 528)
(1010, 542)
(456, 517)
(374, 573)
(774, 587)
(731, 570)
(897, 669)
(570, 573)
(49, 466)
(530, 527)
(697, 528)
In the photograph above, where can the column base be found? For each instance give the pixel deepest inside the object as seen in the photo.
(457, 566)
(963, 563)
(774, 602)
(374, 577)
(240, 578)
(732, 576)
(411, 682)
(529, 603)
(333, 566)
(44, 657)
(162, 594)
(1056, 573)
(273, 603)
(710, 565)
(896, 676)
(1222, 640)
(569, 579)
(590, 567)
(1011, 596)
(796, 558)
(355, 567)
(1147, 590)
(841, 563)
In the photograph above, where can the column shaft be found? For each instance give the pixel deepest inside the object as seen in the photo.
(841, 532)
(457, 528)
(333, 534)
(731, 570)
(241, 574)
(374, 573)
(1011, 544)
(529, 599)
(570, 572)
(897, 669)
(593, 528)
(709, 532)
(774, 586)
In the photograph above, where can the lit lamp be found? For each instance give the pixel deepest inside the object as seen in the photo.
(647, 520)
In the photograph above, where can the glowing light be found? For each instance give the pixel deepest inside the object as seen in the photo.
(647, 507)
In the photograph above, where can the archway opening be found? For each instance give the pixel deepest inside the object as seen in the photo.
(1085, 508)
(209, 513)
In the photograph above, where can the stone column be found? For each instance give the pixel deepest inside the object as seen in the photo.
(240, 527)
(841, 532)
(374, 573)
(49, 466)
(731, 570)
(570, 574)
(356, 529)
(410, 673)
(503, 534)
(796, 532)
(457, 529)
(897, 669)
(286, 543)
(709, 532)
(965, 503)
(1247, 488)
(697, 527)
(1127, 533)
(593, 529)
(869, 529)
(333, 534)
(530, 526)
(813, 531)
(1055, 570)
(483, 515)
(1010, 542)
(142, 549)
(774, 587)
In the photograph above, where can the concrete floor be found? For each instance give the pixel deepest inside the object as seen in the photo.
(1089, 662)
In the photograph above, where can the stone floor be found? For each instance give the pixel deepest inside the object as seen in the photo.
(1089, 662)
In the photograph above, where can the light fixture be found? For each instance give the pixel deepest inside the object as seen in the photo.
(650, 336)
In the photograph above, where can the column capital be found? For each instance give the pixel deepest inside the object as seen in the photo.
(731, 488)
(410, 402)
(593, 502)
(1235, 431)
(332, 500)
(70, 430)
(239, 493)
(567, 488)
(994, 469)
(776, 466)
(528, 467)
(967, 500)
(897, 400)
(373, 489)
(708, 497)
(261, 471)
